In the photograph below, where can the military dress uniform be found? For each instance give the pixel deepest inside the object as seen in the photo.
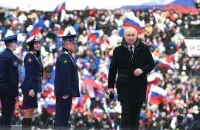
(66, 83)
(32, 80)
(9, 80)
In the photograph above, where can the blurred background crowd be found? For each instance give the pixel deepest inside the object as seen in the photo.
(99, 32)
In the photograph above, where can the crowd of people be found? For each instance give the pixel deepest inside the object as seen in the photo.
(99, 32)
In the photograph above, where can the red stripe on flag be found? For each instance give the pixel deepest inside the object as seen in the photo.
(139, 30)
(35, 31)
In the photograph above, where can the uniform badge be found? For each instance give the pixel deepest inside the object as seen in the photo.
(65, 61)
(29, 60)
(15, 63)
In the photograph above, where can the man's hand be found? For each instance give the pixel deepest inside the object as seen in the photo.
(138, 72)
(111, 93)
(31, 93)
(65, 96)
(111, 90)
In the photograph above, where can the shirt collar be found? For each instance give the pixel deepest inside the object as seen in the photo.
(8, 49)
(135, 44)
(66, 51)
(131, 46)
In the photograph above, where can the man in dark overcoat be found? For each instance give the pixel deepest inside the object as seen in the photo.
(131, 62)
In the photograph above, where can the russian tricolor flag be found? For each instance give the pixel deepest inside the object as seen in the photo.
(180, 6)
(156, 95)
(51, 108)
(35, 31)
(153, 79)
(136, 23)
(167, 63)
(132, 21)
(94, 34)
(59, 8)
(92, 87)
(79, 103)
(37, 27)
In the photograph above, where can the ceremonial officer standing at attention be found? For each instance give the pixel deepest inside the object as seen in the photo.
(132, 61)
(32, 82)
(9, 80)
(66, 80)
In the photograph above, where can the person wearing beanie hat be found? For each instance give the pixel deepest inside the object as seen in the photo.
(9, 81)
(32, 82)
(66, 79)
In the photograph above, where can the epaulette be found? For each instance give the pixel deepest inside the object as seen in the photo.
(33, 52)
(67, 52)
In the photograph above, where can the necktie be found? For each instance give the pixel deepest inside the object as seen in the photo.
(131, 50)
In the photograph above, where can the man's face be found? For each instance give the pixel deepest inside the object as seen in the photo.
(70, 45)
(130, 35)
(13, 45)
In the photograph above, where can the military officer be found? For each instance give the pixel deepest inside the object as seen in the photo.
(32, 82)
(66, 79)
(9, 80)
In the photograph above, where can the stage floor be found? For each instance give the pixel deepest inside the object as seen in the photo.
(19, 127)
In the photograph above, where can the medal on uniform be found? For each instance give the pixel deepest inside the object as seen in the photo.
(29, 60)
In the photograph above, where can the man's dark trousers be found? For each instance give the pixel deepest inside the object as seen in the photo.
(8, 105)
(130, 115)
(63, 108)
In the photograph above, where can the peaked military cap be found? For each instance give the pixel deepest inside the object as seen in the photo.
(32, 40)
(9, 39)
(69, 34)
